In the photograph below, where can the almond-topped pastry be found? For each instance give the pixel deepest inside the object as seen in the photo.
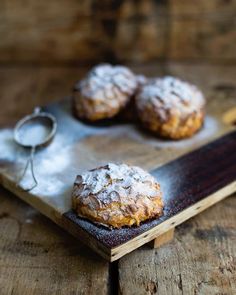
(117, 195)
(170, 107)
(104, 92)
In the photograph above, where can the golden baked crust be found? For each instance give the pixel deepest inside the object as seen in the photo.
(104, 92)
(170, 107)
(117, 195)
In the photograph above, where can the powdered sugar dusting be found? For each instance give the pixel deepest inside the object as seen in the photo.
(170, 93)
(211, 126)
(114, 182)
(106, 81)
(117, 195)
(104, 91)
(9, 150)
(50, 162)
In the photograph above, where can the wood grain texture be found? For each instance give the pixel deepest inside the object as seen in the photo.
(90, 145)
(68, 31)
(200, 260)
(31, 86)
(137, 148)
(202, 30)
(37, 257)
(187, 184)
(162, 239)
(211, 256)
(213, 8)
(203, 39)
(56, 167)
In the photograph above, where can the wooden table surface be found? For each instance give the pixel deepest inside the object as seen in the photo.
(37, 257)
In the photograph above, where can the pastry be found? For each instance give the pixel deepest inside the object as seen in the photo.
(170, 107)
(117, 195)
(129, 113)
(104, 92)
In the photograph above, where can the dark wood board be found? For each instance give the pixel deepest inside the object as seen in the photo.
(184, 182)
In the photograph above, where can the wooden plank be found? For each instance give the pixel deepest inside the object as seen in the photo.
(33, 86)
(210, 256)
(140, 152)
(203, 39)
(72, 148)
(179, 190)
(162, 239)
(37, 257)
(202, 30)
(200, 260)
(213, 174)
(66, 32)
(135, 149)
(211, 7)
(165, 227)
(193, 259)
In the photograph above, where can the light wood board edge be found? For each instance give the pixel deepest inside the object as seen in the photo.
(47, 210)
(172, 222)
(88, 240)
(162, 239)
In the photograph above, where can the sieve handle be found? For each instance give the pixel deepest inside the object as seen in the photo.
(30, 162)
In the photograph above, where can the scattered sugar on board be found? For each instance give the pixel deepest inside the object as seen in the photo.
(51, 164)
(210, 127)
(9, 150)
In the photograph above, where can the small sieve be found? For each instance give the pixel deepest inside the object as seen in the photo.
(33, 131)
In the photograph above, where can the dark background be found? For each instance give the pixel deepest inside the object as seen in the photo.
(69, 32)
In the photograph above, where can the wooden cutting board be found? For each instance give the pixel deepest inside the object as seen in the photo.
(194, 173)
